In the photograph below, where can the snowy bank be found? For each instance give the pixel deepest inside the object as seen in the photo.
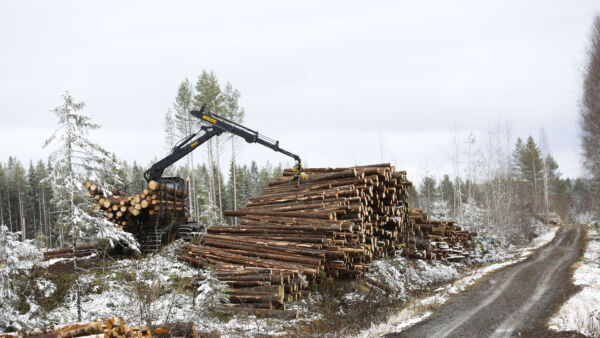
(581, 312)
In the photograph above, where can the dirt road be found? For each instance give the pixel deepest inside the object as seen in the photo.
(514, 301)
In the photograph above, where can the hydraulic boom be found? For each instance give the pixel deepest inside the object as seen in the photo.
(216, 126)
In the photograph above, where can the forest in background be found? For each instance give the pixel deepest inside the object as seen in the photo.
(499, 185)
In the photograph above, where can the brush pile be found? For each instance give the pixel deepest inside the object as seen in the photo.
(123, 209)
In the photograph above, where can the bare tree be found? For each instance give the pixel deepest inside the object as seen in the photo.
(545, 151)
(590, 107)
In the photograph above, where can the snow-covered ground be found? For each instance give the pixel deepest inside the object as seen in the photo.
(581, 313)
(153, 289)
(420, 308)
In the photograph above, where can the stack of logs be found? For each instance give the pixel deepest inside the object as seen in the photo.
(121, 208)
(334, 224)
(112, 327)
(80, 251)
(437, 239)
(262, 292)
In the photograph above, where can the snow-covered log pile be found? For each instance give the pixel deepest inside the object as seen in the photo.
(122, 209)
(112, 327)
(436, 239)
(80, 251)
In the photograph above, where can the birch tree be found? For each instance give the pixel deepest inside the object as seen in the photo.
(186, 124)
(234, 112)
(545, 169)
(209, 93)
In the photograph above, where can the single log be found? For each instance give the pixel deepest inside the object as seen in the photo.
(281, 314)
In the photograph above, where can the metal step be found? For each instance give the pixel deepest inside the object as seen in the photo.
(152, 242)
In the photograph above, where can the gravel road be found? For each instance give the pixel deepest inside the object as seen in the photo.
(514, 301)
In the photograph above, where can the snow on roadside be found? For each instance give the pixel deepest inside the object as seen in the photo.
(420, 308)
(581, 312)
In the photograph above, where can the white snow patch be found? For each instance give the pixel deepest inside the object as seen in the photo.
(544, 238)
(581, 313)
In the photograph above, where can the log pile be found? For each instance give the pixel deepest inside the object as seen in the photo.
(335, 224)
(338, 222)
(258, 291)
(436, 239)
(123, 209)
(112, 327)
(80, 251)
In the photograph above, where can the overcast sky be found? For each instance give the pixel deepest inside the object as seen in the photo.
(339, 83)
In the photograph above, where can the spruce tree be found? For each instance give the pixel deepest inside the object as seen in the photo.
(75, 160)
(530, 168)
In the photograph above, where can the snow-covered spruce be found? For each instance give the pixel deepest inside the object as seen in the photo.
(18, 307)
(76, 160)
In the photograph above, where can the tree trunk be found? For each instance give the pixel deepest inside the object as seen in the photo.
(1, 210)
(546, 202)
(535, 199)
(234, 178)
(192, 190)
(40, 213)
(10, 213)
(47, 230)
(77, 296)
(22, 217)
(211, 174)
(219, 179)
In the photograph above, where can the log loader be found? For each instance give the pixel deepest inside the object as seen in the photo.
(173, 219)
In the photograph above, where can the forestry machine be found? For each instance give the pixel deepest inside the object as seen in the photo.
(173, 220)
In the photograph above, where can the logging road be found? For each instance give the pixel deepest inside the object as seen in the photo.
(514, 301)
